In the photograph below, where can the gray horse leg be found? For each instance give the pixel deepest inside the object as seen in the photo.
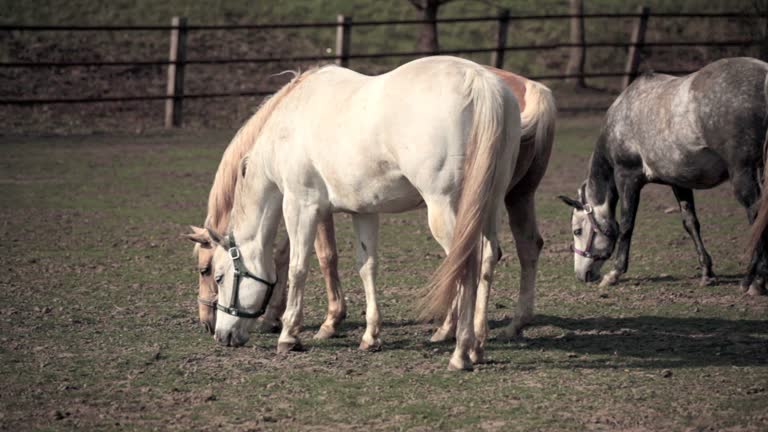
(629, 185)
(747, 191)
(691, 223)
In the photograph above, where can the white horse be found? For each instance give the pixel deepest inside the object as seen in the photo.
(440, 131)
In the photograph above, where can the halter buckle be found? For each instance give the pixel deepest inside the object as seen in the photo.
(587, 208)
(234, 252)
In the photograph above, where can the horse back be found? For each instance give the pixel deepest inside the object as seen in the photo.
(690, 131)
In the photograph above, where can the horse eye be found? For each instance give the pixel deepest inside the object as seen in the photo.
(205, 271)
(219, 278)
(577, 232)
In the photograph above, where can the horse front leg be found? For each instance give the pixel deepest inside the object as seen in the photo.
(629, 186)
(301, 223)
(691, 224)
(270, 322)
(325, 248)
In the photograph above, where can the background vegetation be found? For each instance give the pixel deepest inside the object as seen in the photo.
(134, 80)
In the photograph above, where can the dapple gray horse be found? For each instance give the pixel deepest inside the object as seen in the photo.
(691, 132)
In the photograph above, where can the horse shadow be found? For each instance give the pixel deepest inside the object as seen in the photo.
(648, 342)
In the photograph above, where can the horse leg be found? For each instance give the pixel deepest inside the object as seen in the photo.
(367, 232)
(629, 186)
(747, 191)
(270, 322)
(528, 241)
(491, 253)
(684, 198)
(325, 248)
(448, 329)
(441, 221)
(301, 220)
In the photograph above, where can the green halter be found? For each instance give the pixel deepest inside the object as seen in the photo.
(240, 273)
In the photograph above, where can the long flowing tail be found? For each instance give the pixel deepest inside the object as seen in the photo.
(761, 221)
(538, 119)
(495, 129)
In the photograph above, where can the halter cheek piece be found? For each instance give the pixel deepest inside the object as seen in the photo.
(593, 230)
(240, 273)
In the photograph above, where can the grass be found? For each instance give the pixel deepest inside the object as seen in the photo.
(99, 330)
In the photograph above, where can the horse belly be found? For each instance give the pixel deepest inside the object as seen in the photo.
(391, 193)
(700, 169)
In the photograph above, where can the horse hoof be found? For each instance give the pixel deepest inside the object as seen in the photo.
(609, 279)
(286, 347)
(441, 336)
(370, 346)
(477, 355)
(707, 281)
(510, 333)
(325, 333)
(460, 364)
(270, 327)
(756, 289)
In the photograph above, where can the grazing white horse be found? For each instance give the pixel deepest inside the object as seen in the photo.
(440, 131)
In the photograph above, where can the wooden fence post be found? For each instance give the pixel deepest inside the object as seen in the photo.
(578, 52)
(175, 87)
(497, 57)
(638, 39)
(343, 30)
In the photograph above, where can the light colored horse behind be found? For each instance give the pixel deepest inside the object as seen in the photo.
(538, 126)
(341, 141)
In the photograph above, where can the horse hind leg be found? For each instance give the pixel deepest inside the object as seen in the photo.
(691, 224)
(325, 248)
(441, 221)
(529, 243)
(442, 218)
(367, 232)
(747, 191)
(490, 256)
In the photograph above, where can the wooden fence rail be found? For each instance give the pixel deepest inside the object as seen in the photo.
(178, 61)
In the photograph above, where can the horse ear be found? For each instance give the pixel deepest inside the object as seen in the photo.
(571, 202)
(199, 235)
(215, 237)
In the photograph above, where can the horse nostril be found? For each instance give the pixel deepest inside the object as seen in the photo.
(588, 276)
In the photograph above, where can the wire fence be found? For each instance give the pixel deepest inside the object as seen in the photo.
(178, 60)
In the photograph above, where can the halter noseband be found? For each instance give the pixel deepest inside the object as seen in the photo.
(240, 273)
(593, 229)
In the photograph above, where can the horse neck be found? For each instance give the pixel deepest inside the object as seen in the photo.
(600, 190)
(254, 221)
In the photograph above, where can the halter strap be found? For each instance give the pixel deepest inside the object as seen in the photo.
(593, 230)
(240, 273)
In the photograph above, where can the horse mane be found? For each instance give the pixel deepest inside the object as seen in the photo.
(221, 197)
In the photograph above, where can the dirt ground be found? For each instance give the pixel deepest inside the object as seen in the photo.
(99, 328)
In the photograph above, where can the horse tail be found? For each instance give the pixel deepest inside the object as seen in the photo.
(538, 118)
(494, 134)
(761, 220)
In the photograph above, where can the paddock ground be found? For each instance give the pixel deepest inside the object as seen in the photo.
(98, 326)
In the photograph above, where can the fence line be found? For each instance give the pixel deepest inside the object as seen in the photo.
(7, 27)
(177, 60)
